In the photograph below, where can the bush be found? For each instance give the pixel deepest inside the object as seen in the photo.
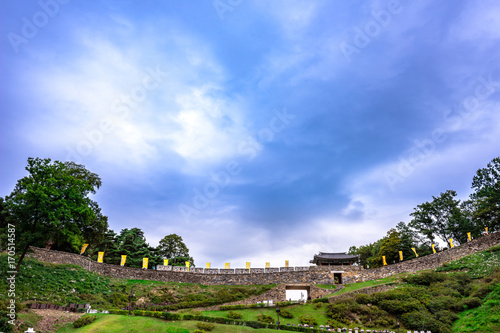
(320, 300)
(263, 318)
(198, 331)
(311, 321)
(205, 326)
(422, 320)
(171, 316)
(286, 314)
(234, 315)
(317, 305)
(363, 299)
(425, 279)
(472, 302)
(446, 317)
(82, 321)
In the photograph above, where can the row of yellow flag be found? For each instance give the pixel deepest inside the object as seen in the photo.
(433, 249)
(145, 261)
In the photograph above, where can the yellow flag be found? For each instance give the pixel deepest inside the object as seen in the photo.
(248, 266)
(187, 265)
(84, 247)
(469, 237)
(268, 264)
(124, 258)
(145, 263)
(383, 260)
(100, 256)
(416, 254)
(451, 243)
(433, 249)
(400, 255)
(226, 265)
(165, 262)
(208, 265)
(286, 263)
(486, 230)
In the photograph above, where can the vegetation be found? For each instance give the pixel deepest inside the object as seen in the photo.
(85, 320)
(52, 207)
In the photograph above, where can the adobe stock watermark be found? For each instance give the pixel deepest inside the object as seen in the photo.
(32, 25)
(247, 149)
(364, 36)
(11, 273)
(224, 6)
(120, 107)
(468, 108)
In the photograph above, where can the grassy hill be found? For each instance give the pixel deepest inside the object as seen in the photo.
(462, 296)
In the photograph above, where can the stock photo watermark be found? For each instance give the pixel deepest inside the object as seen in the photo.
(11, 273)
(224, 6)
(424, 149)
(248, 149)
(364, 35)
(120, 107)
(32, 25)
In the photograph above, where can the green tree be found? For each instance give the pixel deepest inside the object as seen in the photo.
(486, 196)
(172, 246)
(132, 243)
(52, 205)
(442, 217)
(389, 247)
(109, 246)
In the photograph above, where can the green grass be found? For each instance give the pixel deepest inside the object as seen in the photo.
(485, 318)
(125, 324)
(476, 265)
(355, 286)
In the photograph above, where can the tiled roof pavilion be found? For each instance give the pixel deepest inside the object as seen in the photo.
(341, 258)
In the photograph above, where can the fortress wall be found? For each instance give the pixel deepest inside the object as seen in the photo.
(313, 275)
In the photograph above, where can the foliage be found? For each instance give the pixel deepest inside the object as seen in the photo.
(442, 217)
(205, 326)
(234, 315)
(286, 314)
(51, 206)
(311, 321)
(172, 246)
(477, 265)
(85, 320)
(486, 196)
(263, 318)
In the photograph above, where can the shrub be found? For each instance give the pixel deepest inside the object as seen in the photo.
(400, 307)
(425, 279)
(171, 316)
(308, 320)
(446, 316)
(472, 302)
(317, 305)
(363, 299)
(205, 326)
(320, 300)
(198, 331)
(286, 314)
(263, 318)
(422, 320)
(234, 315)
(82, 321)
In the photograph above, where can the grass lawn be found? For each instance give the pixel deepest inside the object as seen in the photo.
(355, 286)
(119, 324)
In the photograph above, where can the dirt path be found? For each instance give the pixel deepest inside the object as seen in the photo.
(54, 317)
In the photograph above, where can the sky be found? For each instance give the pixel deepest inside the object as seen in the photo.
(257, 131)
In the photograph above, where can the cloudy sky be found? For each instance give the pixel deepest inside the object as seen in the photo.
(258, 131)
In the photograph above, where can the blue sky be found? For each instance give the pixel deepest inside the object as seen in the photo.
(257, 131)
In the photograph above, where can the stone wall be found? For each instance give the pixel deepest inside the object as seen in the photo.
(313, 275)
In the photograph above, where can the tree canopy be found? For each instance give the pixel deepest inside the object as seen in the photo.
(173, 247)
(52, 206)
